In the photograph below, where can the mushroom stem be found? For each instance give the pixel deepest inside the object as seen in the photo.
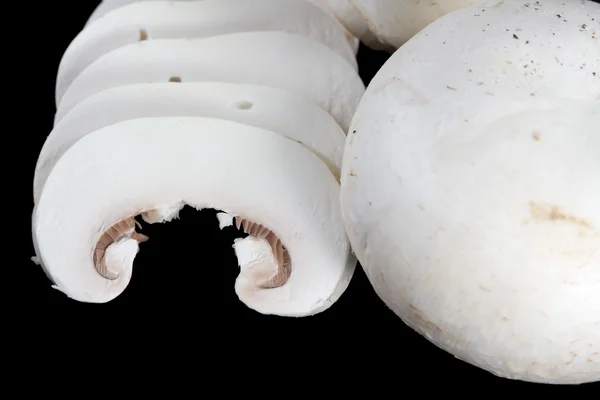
(121, 230)
(280, 253)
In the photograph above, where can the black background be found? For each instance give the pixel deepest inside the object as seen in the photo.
(180, 311)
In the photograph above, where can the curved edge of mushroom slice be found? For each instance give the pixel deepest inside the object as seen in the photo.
(279, 59)
(283, 265)
(83, 224)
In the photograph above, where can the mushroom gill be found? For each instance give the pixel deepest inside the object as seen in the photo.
(280, 253)
(122, 229)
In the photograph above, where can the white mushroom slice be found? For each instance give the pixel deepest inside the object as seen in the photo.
(197, 19)
(225, 220)
(284, 112)
(278, 59)
(161, 164)
(471, 187)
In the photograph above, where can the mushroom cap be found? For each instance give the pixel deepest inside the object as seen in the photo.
(107, 6)
(287, 113)
(196, 19)
(471, 187)
(129, 167)
(388, 24)
(279, 59)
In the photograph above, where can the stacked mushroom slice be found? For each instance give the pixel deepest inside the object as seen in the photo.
(236, 105)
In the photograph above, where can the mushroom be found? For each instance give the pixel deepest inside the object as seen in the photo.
(471, 187)
(388, 24)
(355, 21)
(283, 112)
(107, 6)
(196, 19)
(280, 59)
(297, 261)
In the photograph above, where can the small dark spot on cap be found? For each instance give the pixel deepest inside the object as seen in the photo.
(515, 36)
(143, 35)
(247, 105)
(176, 79)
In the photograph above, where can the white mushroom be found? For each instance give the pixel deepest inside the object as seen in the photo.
(471, 187)
(196, 19)
(279, 59)
(388, 24)
(107, 6)
(83, 225)
(284, 112)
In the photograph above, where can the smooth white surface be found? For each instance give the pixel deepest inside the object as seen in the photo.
(148, 163)
(287, 113)
(471, 187)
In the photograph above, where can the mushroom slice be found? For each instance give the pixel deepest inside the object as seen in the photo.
(197, 19)
(124, 229)
(279, 59)
(281, 111)
(476, 210)
(155, 166)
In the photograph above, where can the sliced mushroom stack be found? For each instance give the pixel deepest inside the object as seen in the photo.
(237, 105)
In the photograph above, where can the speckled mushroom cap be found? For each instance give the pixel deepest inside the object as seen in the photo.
(471, 187)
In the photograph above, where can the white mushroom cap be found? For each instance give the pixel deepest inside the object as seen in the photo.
(107, 6)
(278, 59)
(284, 112)
(388, 24)
(196, 19)
(283, 186)
(471, 187)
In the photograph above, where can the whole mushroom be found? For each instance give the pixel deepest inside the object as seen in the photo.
(471, 187)
(388, 24)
